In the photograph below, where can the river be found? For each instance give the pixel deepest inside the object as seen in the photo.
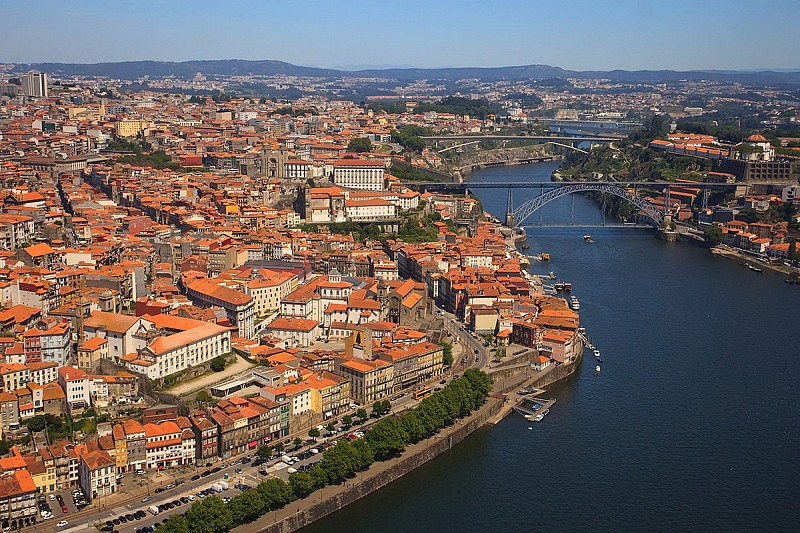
(693, 423)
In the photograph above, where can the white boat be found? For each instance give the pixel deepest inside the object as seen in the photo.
(596, 352)
(597, 368)
(574, 303)
(540, 416)
(587, 238)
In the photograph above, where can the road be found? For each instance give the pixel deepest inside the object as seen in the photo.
(473, 346)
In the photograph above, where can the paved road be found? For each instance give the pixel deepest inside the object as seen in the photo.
(476, 353)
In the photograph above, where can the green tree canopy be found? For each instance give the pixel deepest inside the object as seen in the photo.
(247, 506)
(361, 144)
(175, 524)
(447, 355)
(264, 452)
(209, 515)
(387, 438)
(218, 364)
(275, 492)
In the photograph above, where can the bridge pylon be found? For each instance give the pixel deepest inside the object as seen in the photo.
(510, 210)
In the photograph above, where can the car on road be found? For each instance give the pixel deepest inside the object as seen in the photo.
(62, 523)
(443, 382)
(146, 499)
(195, 477)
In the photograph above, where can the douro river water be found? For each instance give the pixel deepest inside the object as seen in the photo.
(692, 425)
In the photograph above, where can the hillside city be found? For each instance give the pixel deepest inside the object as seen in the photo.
(191, 273)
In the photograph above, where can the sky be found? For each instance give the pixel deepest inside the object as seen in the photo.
(572, 34)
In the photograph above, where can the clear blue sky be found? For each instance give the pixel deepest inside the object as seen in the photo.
(574, 34)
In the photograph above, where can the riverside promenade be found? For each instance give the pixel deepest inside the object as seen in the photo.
(332, 498)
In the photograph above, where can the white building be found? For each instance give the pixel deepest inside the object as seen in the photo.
(296, 331)
(370, 210)
(15, 230)
(75, 383)
(97, 474)
(171, 353)
(125, 334)
(359, 174)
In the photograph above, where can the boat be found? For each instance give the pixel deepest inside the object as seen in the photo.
(599, 360)
(597, 368)
(552, 275)
(574, 303)
(587, 238)
(558, 287)
(567, 286)
(544, 256)
(540, 416)
(525, 246)
(754, 268)
(596, 352)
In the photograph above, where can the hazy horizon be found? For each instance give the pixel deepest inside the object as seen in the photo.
(580, 35)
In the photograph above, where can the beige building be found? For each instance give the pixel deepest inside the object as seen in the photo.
(131, 127)
(91, 352)
(369, 380)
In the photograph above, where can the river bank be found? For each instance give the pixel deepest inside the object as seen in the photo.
(731, 253)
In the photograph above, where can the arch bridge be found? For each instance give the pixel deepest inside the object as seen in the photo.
(517, 217)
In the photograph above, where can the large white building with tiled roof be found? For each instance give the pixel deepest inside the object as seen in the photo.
(184, 343)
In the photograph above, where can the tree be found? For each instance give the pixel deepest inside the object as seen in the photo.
(278, 447)
(35, 424)
(361, 144)
(330, 426)
(218, 364)
(447, 355)
(204, 397)
(209, 515)
(347, 420)
(298, 442)
(364, 454)
(387, 438)
(246, 507)
(713, 234)
(381, 407)
(264, 452)
(275, 493)
(413, 426)
(4, 447)
(302, 484)
(362, 413)
(313, 433)
(175, 524)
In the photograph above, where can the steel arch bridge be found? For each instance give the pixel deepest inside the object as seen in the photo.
(525, 210)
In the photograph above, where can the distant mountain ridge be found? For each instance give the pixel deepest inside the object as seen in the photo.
(131, 70)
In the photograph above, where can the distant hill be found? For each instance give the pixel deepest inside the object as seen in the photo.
(131, 70)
